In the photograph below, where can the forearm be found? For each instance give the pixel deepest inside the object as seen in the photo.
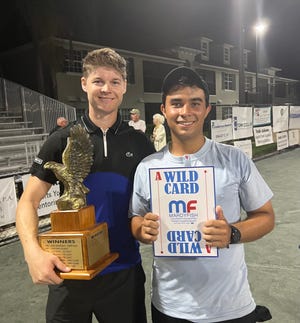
(26, 215)
(218, 233)
(27, 227)
(255, 226)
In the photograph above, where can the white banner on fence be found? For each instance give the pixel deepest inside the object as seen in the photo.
(294, 122)
(245, 146)
(261, 116)
(242, 122)
(263, 135)
(280, 118)
(282, 140)
(8, 201)
(48, 203)
(294, 137)
(221, 130)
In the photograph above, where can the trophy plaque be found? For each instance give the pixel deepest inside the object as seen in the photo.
(75, 237)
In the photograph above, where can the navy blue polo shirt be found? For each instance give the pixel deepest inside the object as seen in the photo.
(116, 156)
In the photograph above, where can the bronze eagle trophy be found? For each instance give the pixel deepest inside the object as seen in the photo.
(77, 159)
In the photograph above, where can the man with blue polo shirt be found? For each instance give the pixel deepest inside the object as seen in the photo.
(117, 293)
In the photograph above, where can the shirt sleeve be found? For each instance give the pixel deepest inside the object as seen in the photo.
(50, 151)
(254, 191)
(143, 126)
(140, 200)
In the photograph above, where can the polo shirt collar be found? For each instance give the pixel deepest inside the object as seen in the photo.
(90, 127)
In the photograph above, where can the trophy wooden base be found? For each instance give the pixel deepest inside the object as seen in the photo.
(79, 242)
(89, 273)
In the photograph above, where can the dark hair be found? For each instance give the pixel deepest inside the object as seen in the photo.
(183, 77)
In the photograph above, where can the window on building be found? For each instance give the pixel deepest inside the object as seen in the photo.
(130, 70)
(73, 63)
(291, 90)
(125, 113)
(228, 81)
(73, 60)
(154, 73)
(226, 55)
(210, 79)
(280, 90)
(249, 84)
(205, 49)
(226, 112)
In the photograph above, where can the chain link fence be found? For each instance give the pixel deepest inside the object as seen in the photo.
(37, 112)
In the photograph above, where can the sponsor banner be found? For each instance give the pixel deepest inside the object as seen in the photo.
(8, 201)
(263, 135)
(293, 137)
(48, 203)
(261, 116)
(282, 140)
(294, 118)
(280, 118)
(242, 122)
(221, 130)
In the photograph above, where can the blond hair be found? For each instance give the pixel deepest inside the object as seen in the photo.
(159, 117)
(104, 57)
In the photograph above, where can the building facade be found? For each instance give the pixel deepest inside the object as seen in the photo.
(54, 69)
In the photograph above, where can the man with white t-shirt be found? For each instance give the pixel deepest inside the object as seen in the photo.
(200, 289)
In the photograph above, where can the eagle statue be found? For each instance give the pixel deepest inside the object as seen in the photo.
(77, 160)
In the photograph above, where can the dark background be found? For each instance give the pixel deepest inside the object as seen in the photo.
(149, 25)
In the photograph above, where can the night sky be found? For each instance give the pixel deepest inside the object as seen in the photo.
(147, 25)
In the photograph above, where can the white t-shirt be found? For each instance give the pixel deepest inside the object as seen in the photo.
(138, 125)
(206, 289)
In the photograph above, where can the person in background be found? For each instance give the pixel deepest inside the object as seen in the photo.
(159, 132)
(135, 121)
(61, 122)
(117, 293)
(202, 289)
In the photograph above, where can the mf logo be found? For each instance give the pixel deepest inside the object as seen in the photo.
(182, 206)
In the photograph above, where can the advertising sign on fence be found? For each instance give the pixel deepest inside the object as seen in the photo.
(8, 201)
(48, 203)
(261, 116)
(221, 130)
(282, 140)
(242, 122)
(294, 122)
(263, 136)
(280, 118)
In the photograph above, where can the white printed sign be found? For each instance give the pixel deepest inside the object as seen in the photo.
(263, 136)
(8, 201)
(280, 118)
(242, 122)
(48, 203)
(261, 116)
(221, 130)
(282, 140)
(294, 121)
(184, 197)
(293, 137)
